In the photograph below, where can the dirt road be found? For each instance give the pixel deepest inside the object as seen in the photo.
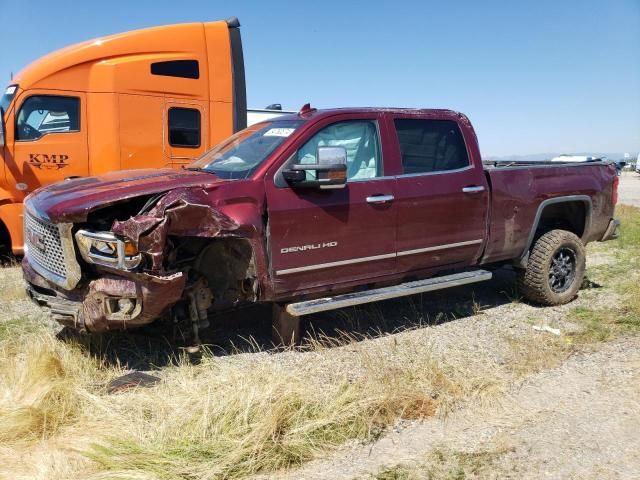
(577, 421)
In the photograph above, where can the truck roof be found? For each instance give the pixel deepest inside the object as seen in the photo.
(168, 42)
(308, 112)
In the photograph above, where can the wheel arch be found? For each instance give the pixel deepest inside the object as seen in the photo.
(559, 209)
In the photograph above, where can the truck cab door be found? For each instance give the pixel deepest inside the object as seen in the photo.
(185, 134)
(443, 195)
(333, 237)
(50, 138)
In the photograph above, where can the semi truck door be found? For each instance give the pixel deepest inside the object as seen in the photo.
(334, 236)
(442, 197)
(50, 140)
(185, 135)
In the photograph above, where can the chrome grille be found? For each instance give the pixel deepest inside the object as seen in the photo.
(44, 246)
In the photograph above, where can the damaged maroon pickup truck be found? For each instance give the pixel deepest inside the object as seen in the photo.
(310, 212)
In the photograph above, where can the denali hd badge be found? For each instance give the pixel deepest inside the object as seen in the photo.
(48, 162)
(312, 246)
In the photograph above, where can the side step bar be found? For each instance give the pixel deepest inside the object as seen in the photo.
(402, 290)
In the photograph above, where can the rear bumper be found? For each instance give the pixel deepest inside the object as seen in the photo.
(108, 303)
(611, 232)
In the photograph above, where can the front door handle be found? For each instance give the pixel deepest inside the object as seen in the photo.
(380, 198)
(473, 189)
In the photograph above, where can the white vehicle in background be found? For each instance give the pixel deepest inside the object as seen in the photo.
(576, 158)
(638, 163)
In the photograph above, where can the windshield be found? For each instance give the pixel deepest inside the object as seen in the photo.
(239, 155)
(5, 100)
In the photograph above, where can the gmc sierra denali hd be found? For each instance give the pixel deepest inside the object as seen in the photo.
(312, 211)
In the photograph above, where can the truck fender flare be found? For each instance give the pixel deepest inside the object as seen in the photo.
(521, 261)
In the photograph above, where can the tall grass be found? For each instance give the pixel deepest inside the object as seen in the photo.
(219, 419)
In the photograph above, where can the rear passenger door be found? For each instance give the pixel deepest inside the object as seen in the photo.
(441, 195)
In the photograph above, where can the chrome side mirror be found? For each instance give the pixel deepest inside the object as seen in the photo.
(331, 170)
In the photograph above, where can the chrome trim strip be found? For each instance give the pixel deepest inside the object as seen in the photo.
(340, 263)
(439, 247)
(437, 172)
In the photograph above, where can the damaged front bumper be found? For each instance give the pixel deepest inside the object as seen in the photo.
(109, 302)
(611, 233)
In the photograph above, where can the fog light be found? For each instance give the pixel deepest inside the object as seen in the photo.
(125, 306)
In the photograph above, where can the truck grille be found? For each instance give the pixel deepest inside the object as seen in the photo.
(44, 246)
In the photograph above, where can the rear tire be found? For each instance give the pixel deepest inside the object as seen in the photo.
(555, 269)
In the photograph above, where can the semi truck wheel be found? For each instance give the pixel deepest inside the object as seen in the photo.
(555, 269)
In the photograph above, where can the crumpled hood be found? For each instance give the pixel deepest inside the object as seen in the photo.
(72, 200)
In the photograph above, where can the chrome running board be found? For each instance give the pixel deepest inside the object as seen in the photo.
(410, 288)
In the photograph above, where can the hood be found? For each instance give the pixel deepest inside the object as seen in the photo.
(72, 200)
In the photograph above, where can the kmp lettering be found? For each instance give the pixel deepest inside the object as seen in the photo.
(45, 161)
(312, 246)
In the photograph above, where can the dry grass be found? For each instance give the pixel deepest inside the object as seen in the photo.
(11, 284)
(219, 419)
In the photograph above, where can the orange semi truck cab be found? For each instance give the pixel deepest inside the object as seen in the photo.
(147, 98)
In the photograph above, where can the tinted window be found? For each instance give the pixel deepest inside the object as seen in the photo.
(184, 127)
(176, 68)
(359, 138)
(431, 145)
(42, 114)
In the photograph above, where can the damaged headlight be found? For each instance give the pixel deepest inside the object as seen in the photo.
(104, 248)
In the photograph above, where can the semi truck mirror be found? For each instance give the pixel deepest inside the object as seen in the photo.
(1, 127)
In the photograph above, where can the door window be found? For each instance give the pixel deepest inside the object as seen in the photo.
(358, 137)
(430, 146)
(42, 114)
(184, 127)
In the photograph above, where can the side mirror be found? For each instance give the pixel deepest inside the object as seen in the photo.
(1, 128)
(330, 171)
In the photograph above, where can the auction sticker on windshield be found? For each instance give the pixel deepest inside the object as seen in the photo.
(278, 132)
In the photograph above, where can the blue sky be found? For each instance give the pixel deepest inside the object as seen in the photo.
(536, 76)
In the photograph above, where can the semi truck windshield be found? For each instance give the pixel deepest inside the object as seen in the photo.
(5, 100)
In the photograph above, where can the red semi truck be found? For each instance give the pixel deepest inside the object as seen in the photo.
(310, 212)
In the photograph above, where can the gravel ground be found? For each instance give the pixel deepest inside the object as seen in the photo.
(629, 188)
(576, 421)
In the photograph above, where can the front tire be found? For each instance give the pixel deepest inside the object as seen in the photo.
(555, 269)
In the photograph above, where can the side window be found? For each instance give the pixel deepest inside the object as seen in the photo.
(42, 114)
(430, 145)
(184, 127)
(358, 137)
(176, 68)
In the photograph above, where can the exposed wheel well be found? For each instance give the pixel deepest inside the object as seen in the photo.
(227, 263)
(570, 216)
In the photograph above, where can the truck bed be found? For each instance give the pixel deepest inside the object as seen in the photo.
(518, 189)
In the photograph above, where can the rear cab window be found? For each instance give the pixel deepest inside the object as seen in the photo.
(43, 114)
(430, 146)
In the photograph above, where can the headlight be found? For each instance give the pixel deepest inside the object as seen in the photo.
(104, 248)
